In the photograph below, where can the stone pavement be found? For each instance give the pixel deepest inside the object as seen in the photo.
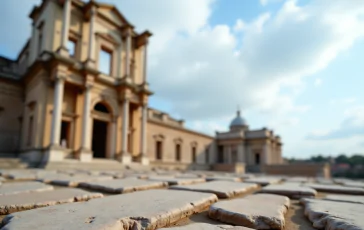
(174, 200)
(291, 190)
(326, 214)
(123, 185)
(25, 201)
(262, 211)
(223, 189)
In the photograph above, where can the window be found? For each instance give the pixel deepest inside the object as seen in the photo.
(220, 157)
(178, 152)
(207, 157)
(257, 158)
(158, 150)
(194, 154)
(30, 131)
(65, 132)
(105, 61)
(71, 46)
(100, 107)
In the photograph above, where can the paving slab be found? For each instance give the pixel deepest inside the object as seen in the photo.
(223, 189)
(223, 178)
(264, 181)
(356, 184)
(23, 187)
(321, 180)
(261, 211)
(205, 226)
(189, 175)
(298, 179)
(335, 189)
(177, 181)
(149, 209)
(115, 174)
(326, 214)
(26, 201)
(123, 185)
(294, 191)
(346, 198)
(26, 174)
(73, 181)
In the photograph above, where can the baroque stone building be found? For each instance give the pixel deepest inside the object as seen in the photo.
(78, 90)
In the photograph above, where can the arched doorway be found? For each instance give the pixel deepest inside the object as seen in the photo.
(100, 131)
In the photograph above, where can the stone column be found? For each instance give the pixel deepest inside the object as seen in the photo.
(145, 62)
(128, 54)
(91, 38)
(120, 59)
(65, 27)
(85, 151)
(113, 138)
(143, 134)
(57, 111)
(55, 152)
(126, 157)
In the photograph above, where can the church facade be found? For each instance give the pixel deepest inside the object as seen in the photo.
(79, 90)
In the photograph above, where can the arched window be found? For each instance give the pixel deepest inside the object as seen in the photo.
(101, 108)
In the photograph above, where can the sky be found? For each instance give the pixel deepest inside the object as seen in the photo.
(294, 66)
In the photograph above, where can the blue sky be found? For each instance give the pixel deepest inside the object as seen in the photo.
(293, 66)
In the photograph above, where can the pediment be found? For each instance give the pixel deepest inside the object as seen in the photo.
(113, 14)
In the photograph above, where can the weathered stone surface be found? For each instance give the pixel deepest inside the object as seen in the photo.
(346, 198)
(25, 174)
(23, 187)
(73, 181)
(298, 179)
(123, 185)
(336, 189)
(25, 201)
(262, 211)
(204, 226)
(177, 181)
(140, 210)
(329, 215)
(321, 180)
(263, 181)
(189, 175)
(355, 184)
(115, 174)
(223, 189)
(294, 191)
(223, 178)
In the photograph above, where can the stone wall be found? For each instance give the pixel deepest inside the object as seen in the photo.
(298, 169)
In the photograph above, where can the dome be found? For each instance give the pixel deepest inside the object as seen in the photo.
(238, 120)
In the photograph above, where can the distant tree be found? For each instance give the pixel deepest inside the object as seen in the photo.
(342, 159)
(356, 159)
(318, 159)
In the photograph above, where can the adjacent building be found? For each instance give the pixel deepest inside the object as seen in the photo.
(79, 90)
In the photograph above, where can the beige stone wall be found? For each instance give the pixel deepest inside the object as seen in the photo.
(33, 125)
(11, 109)
(169, 134)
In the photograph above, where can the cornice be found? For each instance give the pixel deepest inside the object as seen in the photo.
(180, 129)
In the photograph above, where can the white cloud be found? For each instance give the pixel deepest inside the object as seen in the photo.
(318, 82)
(351, 126)
(240, 25)
(343, 101)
